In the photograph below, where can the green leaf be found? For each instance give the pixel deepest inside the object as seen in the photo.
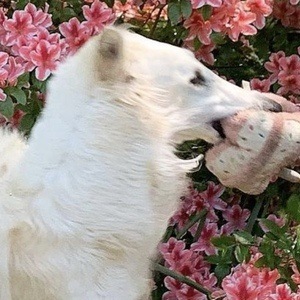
(293, 207)
(217, 259)
(242, 253)
(261, 262)
(7, 107)
(243, 237)
(273, 227)
(27, 122)
(186, 8)
(223, 242)
(206, 12)
(222, 270)
(18, 94)
(174, 12)
(23, 80)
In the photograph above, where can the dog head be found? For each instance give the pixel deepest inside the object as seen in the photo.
(161, 78)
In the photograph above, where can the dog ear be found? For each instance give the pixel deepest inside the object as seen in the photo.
(111, 54)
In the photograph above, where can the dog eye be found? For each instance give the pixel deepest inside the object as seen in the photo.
(198, 79)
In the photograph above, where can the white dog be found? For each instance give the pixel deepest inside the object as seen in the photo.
(86, 200)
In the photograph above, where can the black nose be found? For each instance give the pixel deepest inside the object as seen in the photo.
(271, 105)
(218, 127)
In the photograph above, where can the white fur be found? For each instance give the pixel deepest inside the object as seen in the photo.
(89, 199)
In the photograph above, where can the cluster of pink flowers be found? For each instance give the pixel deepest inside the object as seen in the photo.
(140, 10)
(249, 282)
(209, 199)
(76, 34)
(29, 42)
(284, 70)
(245, 282)
(288, 12)
(229, 17)
(188, 263)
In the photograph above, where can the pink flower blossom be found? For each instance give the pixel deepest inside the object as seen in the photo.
(296, 276)
(287, 13)
(236, 218)
(204, 243)
(199, 3)
(40, 19)
(279, 221)
(76, 34)
(97, 16)
(241, 23)
(3, 32)
(233, 18)
(262, 9)
(289, 75)
(282, 292)
(250, 283)
(212, 196)
(204, 53)
(273, 65)
(45, 57)
(14, 70)
(199, 28)
(2, 95)
(3, 72)
(20, 25)
(260, 85)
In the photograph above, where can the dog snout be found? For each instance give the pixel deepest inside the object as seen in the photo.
(271, 105)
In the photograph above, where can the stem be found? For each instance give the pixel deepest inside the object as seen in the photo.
(193, 221)
(254, 214)
(156, 20)
(200, 227)
(159, 268)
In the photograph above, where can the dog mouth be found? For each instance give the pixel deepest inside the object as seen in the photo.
(216, 125)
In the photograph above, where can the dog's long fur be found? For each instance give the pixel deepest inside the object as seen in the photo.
(86, 200)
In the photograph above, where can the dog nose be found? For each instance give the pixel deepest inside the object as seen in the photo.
(271, 105)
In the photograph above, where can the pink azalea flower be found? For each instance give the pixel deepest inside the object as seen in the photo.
(40, 19)
(3, 32)
(248, 282)
(296, 276)
(20, 25)
(212, 196)
(273, 66)
(173, 286)
(198, 27)
(187, 292)
(97, 16)
(204, 243)
(240, 288)
(46, 58)
(182, 215)
(283, 292)
(76, 34)
(199, 3)
(14, 70)
(289, 75)
(284, 11)
(279, 221)
(3, 72)
(233, 18)
(260, 85)
(204, 53)
(236, 218)
(2, 95)
(241, 23)
(262, 9)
